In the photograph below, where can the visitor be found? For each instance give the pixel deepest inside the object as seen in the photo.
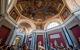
(13, 47)
(40, 47)
(71, 47)
(51, 47)
(1, 47)
(24, 47)
(4, 47)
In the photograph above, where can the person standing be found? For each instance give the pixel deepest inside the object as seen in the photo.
(24, 47)
(51, 47)
(40, 47)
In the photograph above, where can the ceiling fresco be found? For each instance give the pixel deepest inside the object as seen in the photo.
(13, 13)
(39, 9)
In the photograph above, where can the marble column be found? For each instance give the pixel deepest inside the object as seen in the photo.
(33, 41)
(3, 6)
(67, 37)
(11, 37)
(46, 41)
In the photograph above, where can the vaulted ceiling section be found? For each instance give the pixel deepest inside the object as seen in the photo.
(39, 11)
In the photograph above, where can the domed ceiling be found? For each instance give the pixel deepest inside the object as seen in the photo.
(39, 9)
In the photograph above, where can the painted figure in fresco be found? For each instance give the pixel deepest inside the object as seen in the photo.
(40, 47)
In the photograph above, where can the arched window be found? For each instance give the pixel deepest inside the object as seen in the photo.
(52, 24)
